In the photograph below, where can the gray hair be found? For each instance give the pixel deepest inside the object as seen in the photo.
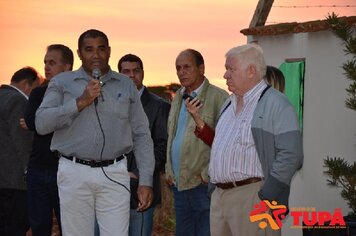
(250, 54)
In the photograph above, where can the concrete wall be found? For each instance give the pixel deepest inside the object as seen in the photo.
(329, 127)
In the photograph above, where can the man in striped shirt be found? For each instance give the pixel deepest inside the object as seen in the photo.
(257, 146)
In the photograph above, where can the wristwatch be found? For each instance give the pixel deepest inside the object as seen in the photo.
(201, 126)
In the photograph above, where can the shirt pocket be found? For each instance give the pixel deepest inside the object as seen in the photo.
(117, 108)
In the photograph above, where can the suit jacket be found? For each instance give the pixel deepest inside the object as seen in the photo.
(15, 142)
(157, 111)
(41, 158)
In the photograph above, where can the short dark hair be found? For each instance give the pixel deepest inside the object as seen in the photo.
(199, 60)
(67, 54)
(92, 33)
(130, 58)
(26, 73)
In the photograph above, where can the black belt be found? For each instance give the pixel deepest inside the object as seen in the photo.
(238, 183)
(94, 163)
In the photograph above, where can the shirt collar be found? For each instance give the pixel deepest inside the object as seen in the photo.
(20, 91)
(253, 93)
(82, 74)
(196, 91)
(140, 91)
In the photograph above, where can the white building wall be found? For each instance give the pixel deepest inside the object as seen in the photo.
(329, 127)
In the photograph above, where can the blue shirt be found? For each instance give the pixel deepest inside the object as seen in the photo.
(180, 133)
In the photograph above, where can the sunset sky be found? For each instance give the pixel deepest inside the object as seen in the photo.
(155, 30)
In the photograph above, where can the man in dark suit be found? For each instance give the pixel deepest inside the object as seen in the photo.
(42, 167)
(15, 148)
(157, 111)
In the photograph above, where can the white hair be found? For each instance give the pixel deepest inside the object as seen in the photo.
(249, 54)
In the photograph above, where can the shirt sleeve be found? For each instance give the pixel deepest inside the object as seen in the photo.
(206, 134)
(288, 156)
(159, 136)
(34, 101)
(142, 141)
(21, 138)
(53, 113)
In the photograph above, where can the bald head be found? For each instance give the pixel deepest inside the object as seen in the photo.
(190, 69)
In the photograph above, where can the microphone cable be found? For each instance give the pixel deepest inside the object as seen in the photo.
(101, 159)
(102, 150)
(96, 73)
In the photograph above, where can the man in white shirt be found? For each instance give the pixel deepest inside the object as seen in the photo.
(257, 146)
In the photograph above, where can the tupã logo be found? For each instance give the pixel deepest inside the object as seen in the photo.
(262, 212)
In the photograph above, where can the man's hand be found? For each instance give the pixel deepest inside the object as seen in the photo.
(193, 107)
(132, 175)
(169, 181)
(203, 181)
(91, 91)
(23, 123)
(29, 232)
(145, 197)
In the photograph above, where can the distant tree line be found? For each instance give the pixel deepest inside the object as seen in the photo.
(166, 92)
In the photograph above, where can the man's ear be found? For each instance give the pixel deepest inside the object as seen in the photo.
(79, 55)
(67, 67)
(24, 86)
(251, 71)
(202, 69)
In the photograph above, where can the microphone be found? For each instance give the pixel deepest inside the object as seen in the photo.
(96, 73)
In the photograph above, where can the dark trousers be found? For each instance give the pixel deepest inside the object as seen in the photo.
(42, 196)
(192, 211)
(13, 212)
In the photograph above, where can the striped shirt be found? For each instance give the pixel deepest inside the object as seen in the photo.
(233, 154)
